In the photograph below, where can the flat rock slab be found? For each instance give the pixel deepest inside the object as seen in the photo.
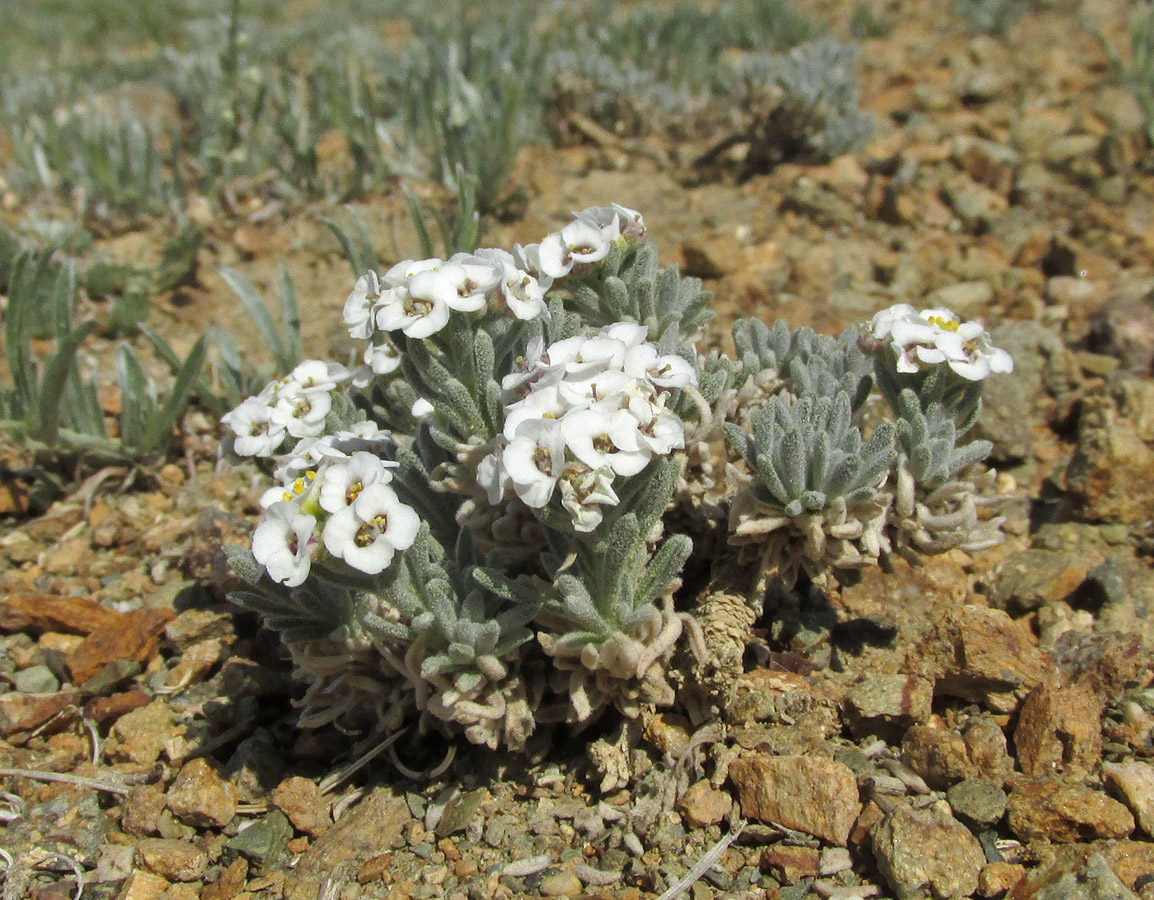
(806, 793)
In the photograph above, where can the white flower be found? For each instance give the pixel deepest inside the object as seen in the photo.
(583, 493)
(316, 375)
(492, 477)
(603, 438)
(422, 408)
(419, 314)
(615, 221)
(256, 431)
(358, 311)
(578, 242)
(934, 337)
(407, 268)
(522, 293)
(474, 278)
(662, 434)
(668, 371)
(293, 489)
(534, 459)
(543, 403)
(383, 357)
(368, 533)
(343, 482)
(302, 412)
(282, 543)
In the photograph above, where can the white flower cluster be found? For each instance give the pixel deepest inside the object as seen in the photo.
(581, 412)
(344, 509)
(293, 407)
(587, 239)
(415, 297)
(936, 336)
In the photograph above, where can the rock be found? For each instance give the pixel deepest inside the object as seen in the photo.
(172, 860)
(1096, 881)
(1134, 781)
(460, 811)
(703, 804)
(1011, 407)
(1053, 810)
(106, 710)
(44, 612)
(142, 808)
(302, 801)
(669, 733)
(789, 864)
(878, 701)
(374, 826)
(195, 625)
(561, 884)
(200, 797)
(978, 802)
(197, 661)
(983, 656)
(142, 885)
(1122, 588)
(1059, 730)
(1034, 577)
(21, 713)
(263, 842)
(139, 736)
(72, 825)
(927, 852)
(1131, 861)
(943, 757)
(36, 680)
(997, 878)
(136, 636)
(111, 676)
(230, 883)
(1108, 475)
(810, 794)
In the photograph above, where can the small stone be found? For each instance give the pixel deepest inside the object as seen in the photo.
(561, 884)
(200, 797)
(172, 860)
(36, 680)
(810, 794)
(1059, 730)
(834, 860)
(302, 801)
(997, 878)
(704, 805)
(1053, 810)
(196, 625)
(106, 710)
(21, 713)
(374, 868)
(139, 736)
(181, 891)
(1034, 577)
(669, 733)
(460, 811)
(45, 612)
(1096, 881)
(142, 808)
(197, 661)
(789, 864)
(136, 636)
(141, 885)
(1134, 781)
(263, 842)
(111, 676)
(943, 757)
(888, 699)
(927, 853)
(976, 801)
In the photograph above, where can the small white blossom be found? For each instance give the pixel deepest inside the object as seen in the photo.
(282, 543)
(935, 337)
(578, 242)
(256, 432)
(382, 356)
(418, 314)
(302, 412)
(534, 459)
(583, 493)
(343, 482)
(601, 438)
(367, 534)
(358, 311)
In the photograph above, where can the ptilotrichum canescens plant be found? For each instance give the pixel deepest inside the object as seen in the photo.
(483, 527)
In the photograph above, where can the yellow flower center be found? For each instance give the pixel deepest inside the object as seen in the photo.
(943, 323)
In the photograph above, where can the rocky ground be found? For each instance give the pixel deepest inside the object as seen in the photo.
(979, 726)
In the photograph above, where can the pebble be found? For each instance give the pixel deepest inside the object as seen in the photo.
(459, 812)
(200, 797)
(1097, 881)
(135, 637)
(977, 801)
(942, 756)
(790, 864)
(302, 801)
(1054, 810)
(172, 860)
(142, 808)
(561, 884)
(888, 699)
(141, 885)
(519, 868)
(1134, 781)
(197, 661)
(927, 852)
(704, 805)
(997, 878)
(1035, 577)
(36, 680)
(263, 842)
(810, 794)
(21, 713)
(1059, 730)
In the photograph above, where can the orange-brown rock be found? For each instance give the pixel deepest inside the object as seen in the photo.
(810, 794)
(1059, 730)
(135, 636)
